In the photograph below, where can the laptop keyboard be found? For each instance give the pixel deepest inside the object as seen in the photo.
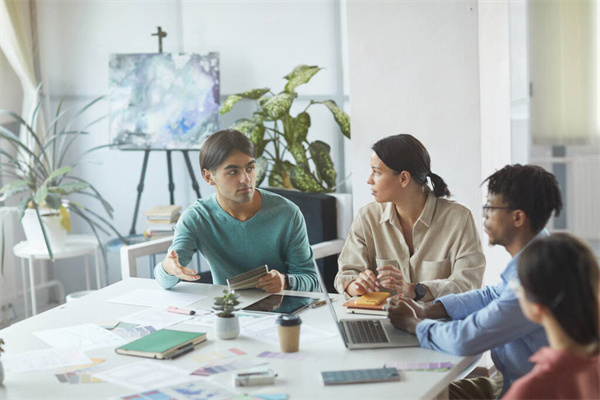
(366, 331)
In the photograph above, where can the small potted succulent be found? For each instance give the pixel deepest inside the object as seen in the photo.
(227, 325)
(1, 368)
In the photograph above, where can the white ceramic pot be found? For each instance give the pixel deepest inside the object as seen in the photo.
(57, 235)
(227, 327)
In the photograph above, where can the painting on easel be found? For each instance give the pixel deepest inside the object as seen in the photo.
(163, 101)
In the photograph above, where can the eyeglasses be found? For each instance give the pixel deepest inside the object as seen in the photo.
(487, 208)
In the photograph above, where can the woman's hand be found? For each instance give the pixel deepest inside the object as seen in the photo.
(392, 278)
(366, 282)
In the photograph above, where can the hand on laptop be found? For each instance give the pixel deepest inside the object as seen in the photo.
(272, 282)
(172, 267)
(366, 282)
(402, 315)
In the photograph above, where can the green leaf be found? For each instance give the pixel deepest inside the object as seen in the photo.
(254, 94)
(53, 201)
(13, 185)
(14, 191)
(68, 188)
(319, 152)
(299, 76)
(56, 173)
(279, 105)
(299, 126)
(261, 170)
(299, 153)
(303, 179)
(229, 103)
(40, 195)
(255, 130)
(23, 206)
(340, 116)
(280, 174)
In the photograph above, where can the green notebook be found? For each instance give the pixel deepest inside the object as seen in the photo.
(164, 343)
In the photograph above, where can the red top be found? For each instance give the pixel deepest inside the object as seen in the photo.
(558, 374)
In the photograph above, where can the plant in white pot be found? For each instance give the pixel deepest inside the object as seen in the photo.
(1, 367)
(38, 174)
(227, 325)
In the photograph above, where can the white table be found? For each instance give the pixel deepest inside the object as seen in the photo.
(75, 246)
(299, 379)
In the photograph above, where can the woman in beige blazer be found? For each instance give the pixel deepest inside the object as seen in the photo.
(411, 240)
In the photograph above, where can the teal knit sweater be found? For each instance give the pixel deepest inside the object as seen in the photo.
(275, 236)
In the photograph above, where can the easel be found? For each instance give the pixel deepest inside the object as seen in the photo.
(140, 188)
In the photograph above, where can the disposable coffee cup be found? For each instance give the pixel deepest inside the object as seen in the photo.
(288, 327)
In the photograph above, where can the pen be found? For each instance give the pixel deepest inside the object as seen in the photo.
(173, 309)
(318, 304)
(184, 350)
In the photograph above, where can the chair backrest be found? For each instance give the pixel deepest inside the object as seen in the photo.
(129, 254)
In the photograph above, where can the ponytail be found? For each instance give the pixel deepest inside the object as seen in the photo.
(440, 189)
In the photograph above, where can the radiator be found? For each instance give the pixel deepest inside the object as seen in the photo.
(583, 196)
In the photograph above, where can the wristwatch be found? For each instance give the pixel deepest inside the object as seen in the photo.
(420, 291)
(290, 281)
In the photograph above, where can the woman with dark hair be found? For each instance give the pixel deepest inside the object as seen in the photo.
(411, 240)
(558, 288)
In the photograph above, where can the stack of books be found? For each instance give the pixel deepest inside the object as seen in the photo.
(161, 220)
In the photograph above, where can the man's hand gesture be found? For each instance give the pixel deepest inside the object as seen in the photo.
(172, 267)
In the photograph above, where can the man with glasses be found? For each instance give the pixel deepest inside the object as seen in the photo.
(520, 201)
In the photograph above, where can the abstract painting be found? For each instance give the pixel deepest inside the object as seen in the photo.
(163, 101)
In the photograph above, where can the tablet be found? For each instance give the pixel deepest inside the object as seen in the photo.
(281, 303)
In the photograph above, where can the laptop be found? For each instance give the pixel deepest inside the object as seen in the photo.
(367, 333)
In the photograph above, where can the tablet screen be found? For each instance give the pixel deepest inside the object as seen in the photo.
(279, 303)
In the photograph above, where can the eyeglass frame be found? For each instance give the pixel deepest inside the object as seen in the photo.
(485, 209)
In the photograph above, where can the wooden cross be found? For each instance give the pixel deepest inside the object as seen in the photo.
(160, 35)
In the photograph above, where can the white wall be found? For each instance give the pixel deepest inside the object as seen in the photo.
(414, 69)
(258, 42)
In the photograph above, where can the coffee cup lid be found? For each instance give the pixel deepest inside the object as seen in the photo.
(289, 320)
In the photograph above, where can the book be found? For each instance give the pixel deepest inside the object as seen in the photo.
(161, 220)
(163, 211)
(247, 280)
(372, 299)
(366, 311)
(370, 303)
(163, 344)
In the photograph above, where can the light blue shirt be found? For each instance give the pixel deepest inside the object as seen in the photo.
(488, 319)
(275, 235)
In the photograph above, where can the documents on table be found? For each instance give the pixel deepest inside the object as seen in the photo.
(144, 374)
(43, 359)
(265, 330)
(209, 319)
(157, 317)
(83, 337)
(198, 390)
(157, 298)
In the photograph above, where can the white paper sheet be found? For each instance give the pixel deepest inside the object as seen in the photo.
(157, 298)
(83, 337)
(157, 317)
(208, 319)
(265, 330)
(43, 359)
(144, 375)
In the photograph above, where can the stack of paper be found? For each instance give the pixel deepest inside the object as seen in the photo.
(247, 280)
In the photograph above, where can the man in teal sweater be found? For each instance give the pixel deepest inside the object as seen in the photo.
(239, 227)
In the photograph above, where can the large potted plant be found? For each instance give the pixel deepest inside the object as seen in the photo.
(282, 148)
(42, 179)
